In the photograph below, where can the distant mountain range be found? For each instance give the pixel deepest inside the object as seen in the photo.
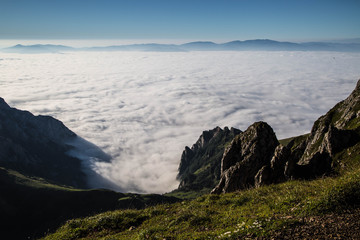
(38, 48)
(248, 45)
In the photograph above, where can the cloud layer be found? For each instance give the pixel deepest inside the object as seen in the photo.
(143, 108)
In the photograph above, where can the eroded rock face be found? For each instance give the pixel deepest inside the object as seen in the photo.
(247, 154)
(200, 165)
(335, 140)
(348, 111)
(337, 130)
(275, 172)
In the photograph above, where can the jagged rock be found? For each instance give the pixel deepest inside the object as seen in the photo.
(200, 165)
(281, 156)
(343, 116)
(296, 151)
(336, 140)
(347, 112)
(252, 160)
(333, 132)
(247, 154)
(36, 146)
(264, 176)
(275, 172)
(185, 161)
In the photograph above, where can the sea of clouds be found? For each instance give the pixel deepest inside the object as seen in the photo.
(143, 108)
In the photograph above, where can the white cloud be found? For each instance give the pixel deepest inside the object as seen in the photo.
(142, 108)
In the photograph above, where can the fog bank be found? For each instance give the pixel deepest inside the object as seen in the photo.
(143, 108)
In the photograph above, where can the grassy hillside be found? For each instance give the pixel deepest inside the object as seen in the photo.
(30, 207)
(297, 139)
(263, 212)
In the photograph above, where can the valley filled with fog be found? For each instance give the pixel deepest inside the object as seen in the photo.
(143, 108)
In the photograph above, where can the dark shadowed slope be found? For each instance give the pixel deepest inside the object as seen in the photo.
(36, 146)
(31, 206)
(36, 170)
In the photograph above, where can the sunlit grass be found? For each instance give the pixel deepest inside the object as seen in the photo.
(253, 212)
(250, 213)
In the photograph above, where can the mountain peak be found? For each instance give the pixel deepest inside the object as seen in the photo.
(36, 146)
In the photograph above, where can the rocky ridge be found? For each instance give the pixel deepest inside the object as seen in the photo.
(256, 158)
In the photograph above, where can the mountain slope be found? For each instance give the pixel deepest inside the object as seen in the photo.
(31, 206)
(36, 146)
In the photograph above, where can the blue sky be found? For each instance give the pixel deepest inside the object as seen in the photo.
(173, 19)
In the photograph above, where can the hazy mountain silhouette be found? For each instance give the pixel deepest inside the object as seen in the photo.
(248, 45)
(38, 48)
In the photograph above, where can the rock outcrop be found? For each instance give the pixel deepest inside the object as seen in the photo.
(333, 132)
(36, 146)
(246, 155)
(200, 165)
(275, 172)
(255, 157)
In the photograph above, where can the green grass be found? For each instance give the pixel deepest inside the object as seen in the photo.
(250, 213)
(188, 195)
(34, 182)
(202, 169)
(36, 206)
(297, 140)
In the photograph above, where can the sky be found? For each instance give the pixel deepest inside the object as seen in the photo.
(217, 20)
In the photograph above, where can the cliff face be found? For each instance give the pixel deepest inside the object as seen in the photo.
(200, 165)
(333, 132)
(255, 158)
(245, 156)
(36, 146)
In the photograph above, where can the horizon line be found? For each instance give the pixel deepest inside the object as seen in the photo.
(84, 43)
